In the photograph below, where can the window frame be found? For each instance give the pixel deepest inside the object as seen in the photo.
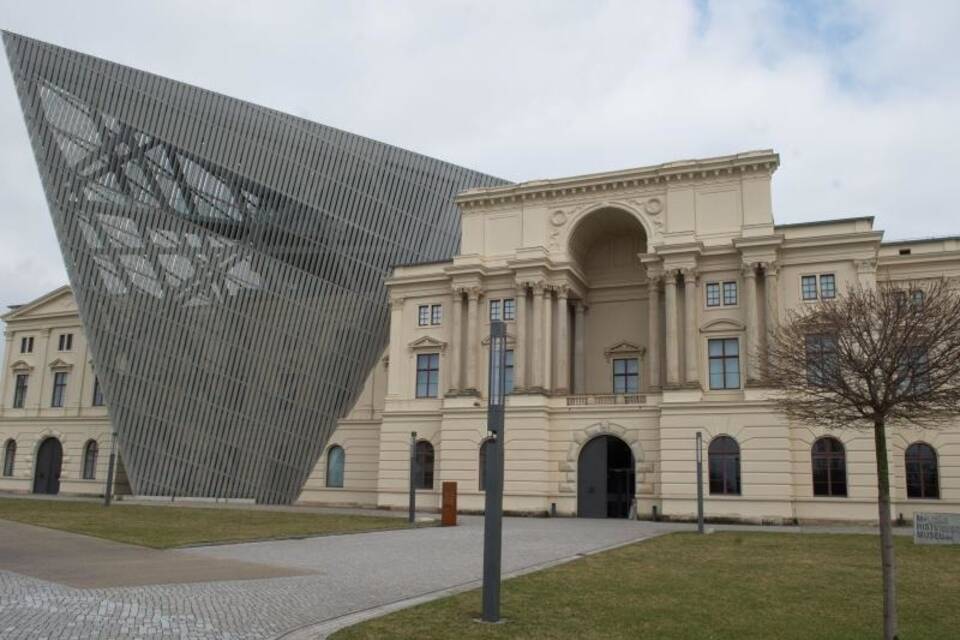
(330, 476)
(432, 375)
(420, 460)
(9, 457)
(511, 305)
(709, 289)
(423, 315)
(494, 309)
(26, 344)
(65, 343)
(723, 359)
(436, 315)
(626, 375)
(818, 286)
(725, 457)
(20, 391)
(828, 457)
(509, 365)
(819, 356)
(91, 450)
(97, 399)
(58, 395)
(920, 445)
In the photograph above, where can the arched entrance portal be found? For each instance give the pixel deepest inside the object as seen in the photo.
(46, 477)
(606, 479)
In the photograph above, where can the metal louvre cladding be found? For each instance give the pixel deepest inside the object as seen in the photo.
(228, 263)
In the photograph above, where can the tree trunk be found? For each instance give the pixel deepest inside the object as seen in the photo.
(886, 532)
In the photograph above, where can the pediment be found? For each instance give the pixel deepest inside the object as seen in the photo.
(624, 348)
(21, 366)
(55, 303)
(427, 343)
(510, 340)
(60, 364)
(722, 325)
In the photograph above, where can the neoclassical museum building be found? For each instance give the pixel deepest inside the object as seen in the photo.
(638, 305)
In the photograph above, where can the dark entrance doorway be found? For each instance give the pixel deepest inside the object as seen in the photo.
(605, 479)
(46, 478)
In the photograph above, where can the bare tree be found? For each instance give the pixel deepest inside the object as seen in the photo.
(881, 357)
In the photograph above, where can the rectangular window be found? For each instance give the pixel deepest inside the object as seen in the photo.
(59, 388)
(428, 375)
(494, 310)
(821, 352)
(808, 287)
(423, 315)
(729, 294)
(508, 371)
(66, 342)
(26, 345)
(713, 294)
(509, 309)
(828, 286)
(724, 363)
(436, 314)
(20, 391)
(97, 393)
(916, 296)
(626, 375)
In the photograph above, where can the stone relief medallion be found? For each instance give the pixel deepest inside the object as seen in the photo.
(558, 218)
(653, 206)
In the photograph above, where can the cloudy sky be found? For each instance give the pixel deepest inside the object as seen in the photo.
(861, 99)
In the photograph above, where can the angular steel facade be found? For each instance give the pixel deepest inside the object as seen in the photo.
(228, 262)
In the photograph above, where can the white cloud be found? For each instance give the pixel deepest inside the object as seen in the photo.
(859, 97)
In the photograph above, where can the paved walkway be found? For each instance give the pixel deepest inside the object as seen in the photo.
(344, 574)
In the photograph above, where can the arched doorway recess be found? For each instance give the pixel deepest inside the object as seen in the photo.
(606, 479)
(46, 476)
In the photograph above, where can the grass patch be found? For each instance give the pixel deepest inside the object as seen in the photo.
(164, 527)
(726, 585)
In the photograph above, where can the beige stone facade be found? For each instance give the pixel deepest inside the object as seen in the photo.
(616, 289)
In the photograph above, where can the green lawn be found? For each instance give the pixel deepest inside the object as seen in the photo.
(726, 585)
(164, 527)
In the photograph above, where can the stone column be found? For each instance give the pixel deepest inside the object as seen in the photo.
(562, 383)
(672, 339)
(397, 362)
(536, 342)
(473, 338)
(691, 349)
(6, 375)
(772, 314)
(520, 341)
(579, 337)
(653, 325)
(548, 339)
(752, 321)
(456, 342)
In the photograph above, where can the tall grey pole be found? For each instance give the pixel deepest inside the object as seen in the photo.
(108, 492)
(699, 482)
(493, 510)
(412, 516)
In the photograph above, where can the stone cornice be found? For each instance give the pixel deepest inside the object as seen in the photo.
(751, 162)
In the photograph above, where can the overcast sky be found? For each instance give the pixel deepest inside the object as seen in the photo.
(861, 99)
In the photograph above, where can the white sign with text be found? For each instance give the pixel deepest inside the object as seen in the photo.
(936, 528)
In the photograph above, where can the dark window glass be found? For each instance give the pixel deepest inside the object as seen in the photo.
(428, 375)
(9, 456)
(20, 390)
(724, 462)
(808, 287)
(729, 293)
(829, 468)
(626, 375)
(508, 371)
(90, 460)
(335, 463)
(821, 358)
(724, 356)
(923, 480)
(916, 374)
(828, 286)
(97, 393)
(509, 309)
(494, 309)
(26, 345)
(423, 315)
(916, 296)
(65, 342)
(423, 461)
(436, 314)
(713, 294)
(483, 465)
(59, 389)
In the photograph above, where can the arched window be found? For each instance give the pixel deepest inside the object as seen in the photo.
(335, 462)
(9, 454)
(90, 460)
(423, 468)
(483, 465)
(724, 462)
(829, 467)
(923, 480)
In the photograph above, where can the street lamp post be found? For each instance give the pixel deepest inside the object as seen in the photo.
(699, 482)
(412, 516)
(108, 492)
(493, 511)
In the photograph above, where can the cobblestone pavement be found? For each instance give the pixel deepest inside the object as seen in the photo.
(354, 572)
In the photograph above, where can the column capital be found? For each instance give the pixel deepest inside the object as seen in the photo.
(397, 301)
(474, 293)
(539, 287)
(748, 269)
(770, 268)
(690, 274)
(866, 266)
(562, 290)
(521, 287)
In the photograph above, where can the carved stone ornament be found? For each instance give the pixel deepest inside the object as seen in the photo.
(21, 366)
(558, 218)
(427, 343)
(653, 206)
(624, 348)
(60, 364)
